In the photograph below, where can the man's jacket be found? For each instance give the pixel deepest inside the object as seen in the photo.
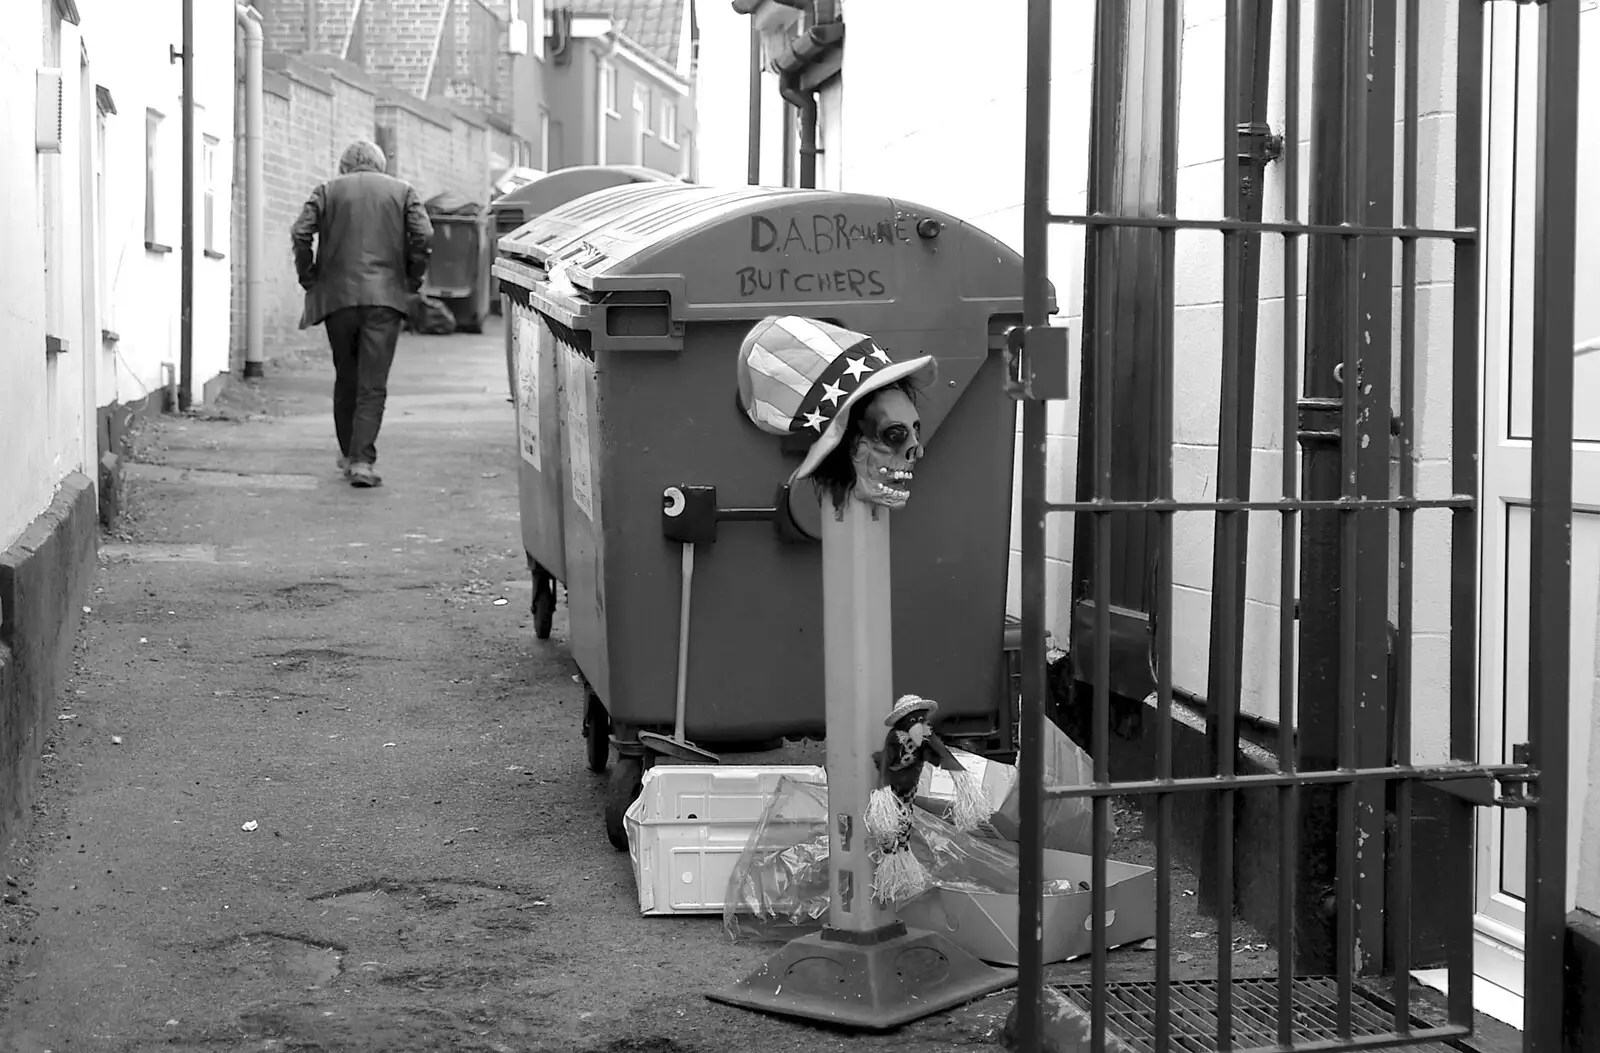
(373, 239)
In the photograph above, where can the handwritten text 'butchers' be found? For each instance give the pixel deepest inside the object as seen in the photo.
(818, 235)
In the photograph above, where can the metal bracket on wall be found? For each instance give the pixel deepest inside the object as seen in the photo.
(1502, 790)
(1259, 146)
(1036, 362)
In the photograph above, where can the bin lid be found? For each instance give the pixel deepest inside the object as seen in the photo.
(727, 252)
(554, 189)
(544, 234)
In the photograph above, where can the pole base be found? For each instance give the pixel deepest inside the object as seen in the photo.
(862, 986)
(254, 369)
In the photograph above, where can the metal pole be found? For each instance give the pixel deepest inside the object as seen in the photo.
(254, 199)
(1035, 308)
(186, 293)
(1550, 617)
(1320, 425)
(753, 162)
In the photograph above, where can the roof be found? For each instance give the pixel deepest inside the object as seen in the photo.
(654, 25)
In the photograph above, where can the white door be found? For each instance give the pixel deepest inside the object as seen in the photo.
(1512, 76)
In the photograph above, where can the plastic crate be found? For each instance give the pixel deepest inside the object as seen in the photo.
(689, 825)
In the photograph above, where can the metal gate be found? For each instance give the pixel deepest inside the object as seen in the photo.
(1348, 235)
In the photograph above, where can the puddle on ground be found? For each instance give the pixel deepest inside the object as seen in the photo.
(283, 959)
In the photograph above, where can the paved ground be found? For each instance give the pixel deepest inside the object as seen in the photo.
(425, 867)
(428, 869)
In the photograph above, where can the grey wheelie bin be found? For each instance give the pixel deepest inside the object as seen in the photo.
(533, 389)
(458, 271)
(635, 301)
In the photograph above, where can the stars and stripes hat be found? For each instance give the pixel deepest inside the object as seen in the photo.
(798, 376)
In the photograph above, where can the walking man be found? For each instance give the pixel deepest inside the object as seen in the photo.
(373, 239)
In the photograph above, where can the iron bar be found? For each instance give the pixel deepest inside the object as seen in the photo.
(1336, 504)
(1365, 1042)
(1288, 793)
(1247, 147)
(1107, 93)
(1348, 594)
(1030, 763)
(1400, 936)
(1550, 557)
(1328, 382)
(1338, 230)
(1161, 607)
(1457, 887)
(1371, 110)
(1224, 705)
(1316, 777)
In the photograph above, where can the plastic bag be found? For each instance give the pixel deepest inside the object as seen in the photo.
(1068, 821)
(779, 887)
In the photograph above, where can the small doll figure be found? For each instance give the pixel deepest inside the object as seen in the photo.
(909, 744)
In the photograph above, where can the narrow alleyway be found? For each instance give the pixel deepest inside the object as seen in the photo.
(315, 784)
(427, 869)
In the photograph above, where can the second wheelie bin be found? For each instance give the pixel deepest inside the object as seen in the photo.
(634, 301)
(509, 212)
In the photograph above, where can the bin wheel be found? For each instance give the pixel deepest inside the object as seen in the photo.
(544, 602)
(596, 734)
(627, 777)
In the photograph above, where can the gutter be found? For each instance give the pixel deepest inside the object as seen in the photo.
(255, 193)
(798, 56)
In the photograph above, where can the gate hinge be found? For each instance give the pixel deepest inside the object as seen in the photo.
(1258, 147)
(1512, 791)
(1036, 362)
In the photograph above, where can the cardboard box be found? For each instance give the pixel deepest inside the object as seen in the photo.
(985, 923)
(936, 789)
(689, 825)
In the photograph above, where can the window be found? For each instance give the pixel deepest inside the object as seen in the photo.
(102, 288)
(152, 145)
(544, 140)
(608, 89)
(641, 106)
(669, 122)
(208, 169)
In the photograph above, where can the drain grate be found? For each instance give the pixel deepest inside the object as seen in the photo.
(1131, 1014)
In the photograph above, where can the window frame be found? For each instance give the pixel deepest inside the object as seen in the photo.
(210, 148)
(608, 90)
(153, 121)
(669, 120)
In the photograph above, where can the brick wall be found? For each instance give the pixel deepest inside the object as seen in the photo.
(284, 25)
(435, 149)
(312, 109)
(401, 38)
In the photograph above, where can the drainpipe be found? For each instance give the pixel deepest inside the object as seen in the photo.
(753, 162)
(186, 281)
(799, 56)
(806, 103)
(254, 194)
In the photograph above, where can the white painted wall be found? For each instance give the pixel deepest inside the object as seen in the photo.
(128, 45)
(955, 143)
(723, 103)
(44, 434)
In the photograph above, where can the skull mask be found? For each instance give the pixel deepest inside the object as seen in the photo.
(886, 449)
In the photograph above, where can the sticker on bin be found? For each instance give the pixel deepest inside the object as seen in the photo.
(576, 390)
(528, 333)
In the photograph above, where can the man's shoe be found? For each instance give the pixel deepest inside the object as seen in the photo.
(344, 466)
(362, 474)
